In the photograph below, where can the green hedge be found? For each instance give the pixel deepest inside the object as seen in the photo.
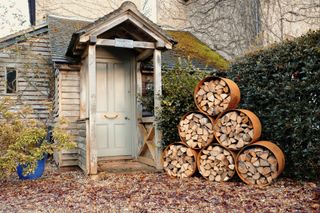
(178, 85)
(281, 84)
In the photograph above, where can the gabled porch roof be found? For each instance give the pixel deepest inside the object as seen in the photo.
(125, 23)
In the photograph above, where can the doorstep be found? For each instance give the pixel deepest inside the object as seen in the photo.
(124, 166)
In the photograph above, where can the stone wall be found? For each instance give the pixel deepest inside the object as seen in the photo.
(85, 9)
(285, 19)
(228, 26)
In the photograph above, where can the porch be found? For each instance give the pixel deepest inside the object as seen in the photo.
(111, 51)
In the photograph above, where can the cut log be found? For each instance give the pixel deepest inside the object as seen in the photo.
(255, 165)
(179, 160)
(196, 130)
(234, 130)
(213, 96)
(216, 163)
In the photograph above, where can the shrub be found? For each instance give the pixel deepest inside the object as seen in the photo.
(281, 84)
(23, 140)
(178, 85)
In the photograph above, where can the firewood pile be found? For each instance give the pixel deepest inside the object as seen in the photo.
(237, 132)
(179, 160)
(216, 163)
(214, 95)
(260, 163)
(237, 128)
(196, 129)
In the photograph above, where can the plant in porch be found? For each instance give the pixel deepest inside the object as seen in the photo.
(23, 139)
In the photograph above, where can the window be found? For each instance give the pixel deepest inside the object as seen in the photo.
(147, 94)
(11, 79)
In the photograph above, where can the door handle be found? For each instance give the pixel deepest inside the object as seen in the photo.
(112, 117)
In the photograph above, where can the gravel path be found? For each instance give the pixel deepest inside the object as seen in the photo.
(151, 192)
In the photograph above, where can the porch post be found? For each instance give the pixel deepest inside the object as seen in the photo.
(93, 161)
(157, 104)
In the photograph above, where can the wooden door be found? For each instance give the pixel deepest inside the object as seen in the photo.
(114, 109)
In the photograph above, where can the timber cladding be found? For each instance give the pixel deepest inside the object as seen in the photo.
(67, 106)
(38, 87)
(31, 61)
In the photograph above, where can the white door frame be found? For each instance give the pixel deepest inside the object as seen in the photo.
(91, 146)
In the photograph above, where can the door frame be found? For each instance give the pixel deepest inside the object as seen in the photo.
(133, 101)
(88, 102)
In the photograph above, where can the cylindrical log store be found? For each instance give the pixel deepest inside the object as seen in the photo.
(260, 163)
(237, 128)
(179, 160)
(196, 129)
(216, 163)
(214, 95)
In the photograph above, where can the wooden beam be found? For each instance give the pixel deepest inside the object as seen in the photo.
(145, 54)
(103, 28)
(134, 19)
(133, 34)
(149, 31)
(105, 42)
(92, 40)
(93, 161)
(144, 44)
(135, 44)
(160, 44)
(83, 89)
(157, 104)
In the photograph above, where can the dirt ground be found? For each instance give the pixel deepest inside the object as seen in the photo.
(151, 192)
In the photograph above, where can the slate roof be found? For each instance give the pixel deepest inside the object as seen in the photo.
(60, 33)
(23, 35)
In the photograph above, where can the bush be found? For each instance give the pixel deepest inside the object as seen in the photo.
(281, 84)
(177, 98)
(23, 140)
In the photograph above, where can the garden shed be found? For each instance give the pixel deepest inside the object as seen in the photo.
(92, 74)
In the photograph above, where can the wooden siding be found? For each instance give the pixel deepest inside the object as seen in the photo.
(67, 106)
(31, 59)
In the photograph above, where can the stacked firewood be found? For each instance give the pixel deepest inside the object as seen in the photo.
(213, 97)
(216, 163)
(234, 130)
(257, 165)
(179, 160)
(196, 130)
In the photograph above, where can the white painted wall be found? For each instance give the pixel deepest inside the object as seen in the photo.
(14, 16)
(150, 9)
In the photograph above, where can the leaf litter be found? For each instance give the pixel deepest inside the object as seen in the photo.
(72, 191)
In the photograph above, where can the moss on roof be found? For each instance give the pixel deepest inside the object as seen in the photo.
(192, 47)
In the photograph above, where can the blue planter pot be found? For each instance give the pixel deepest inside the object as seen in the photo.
(38, 172)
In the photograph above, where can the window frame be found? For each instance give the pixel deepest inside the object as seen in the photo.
(6, 80)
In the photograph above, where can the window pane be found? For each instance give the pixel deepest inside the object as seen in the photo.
(11, 80)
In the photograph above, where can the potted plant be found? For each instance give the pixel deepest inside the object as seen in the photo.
(23, 143)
